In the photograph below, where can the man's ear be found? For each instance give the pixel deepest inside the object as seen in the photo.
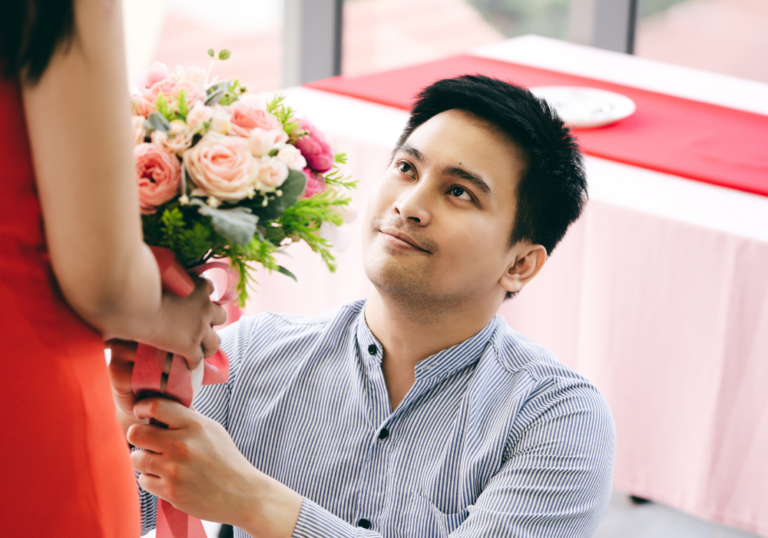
(527, 263)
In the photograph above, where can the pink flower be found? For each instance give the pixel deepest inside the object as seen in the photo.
(141, 107)
(314, 147)
(262, 142)
(137, 122)
(151, 75)
(158, 175)
(170, 89)
(315, 183)
(272, 173)
(292, 157)
(222, 166)
(247, 118)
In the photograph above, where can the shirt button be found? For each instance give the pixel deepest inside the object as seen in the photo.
(383, 433)
(364, 523)
(372, 349)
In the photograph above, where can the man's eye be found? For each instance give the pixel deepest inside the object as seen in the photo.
(405, 168)
(460, 192)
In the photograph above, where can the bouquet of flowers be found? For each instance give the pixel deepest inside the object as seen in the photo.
(224, 173)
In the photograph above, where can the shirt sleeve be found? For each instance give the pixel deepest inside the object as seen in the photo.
(555, 482)
(212, 401)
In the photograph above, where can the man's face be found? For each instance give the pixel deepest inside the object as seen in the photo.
(438, 222)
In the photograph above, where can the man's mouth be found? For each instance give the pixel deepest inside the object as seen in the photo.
(403, 238)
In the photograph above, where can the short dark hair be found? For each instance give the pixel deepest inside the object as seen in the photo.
(552, 189)
(30, 33)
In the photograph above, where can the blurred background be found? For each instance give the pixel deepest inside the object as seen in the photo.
(725, 36)
(728, 37)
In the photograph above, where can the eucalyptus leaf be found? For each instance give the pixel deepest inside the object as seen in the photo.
(237, 225)
(286, 272)
(157, 122)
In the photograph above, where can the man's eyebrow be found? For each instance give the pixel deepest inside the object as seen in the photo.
(410, 150)
(466, 175)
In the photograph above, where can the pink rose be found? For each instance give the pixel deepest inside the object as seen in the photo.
(151, 75)
(158, 175)
(262, 142)
(292, 157)
(222, 166)
(315, 183)
(254, 101)
(272, 173)
(137, 122)
(199, 114)
(170, 89)
(314, 147)
(141, 107)
(247, 118)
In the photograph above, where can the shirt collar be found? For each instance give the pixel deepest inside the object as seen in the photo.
(441, 364)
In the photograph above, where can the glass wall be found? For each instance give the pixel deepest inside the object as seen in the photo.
(726, 36)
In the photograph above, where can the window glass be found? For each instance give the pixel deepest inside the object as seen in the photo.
(726, 36)
(386, 34)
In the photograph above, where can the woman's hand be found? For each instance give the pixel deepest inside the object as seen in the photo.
(185, 324)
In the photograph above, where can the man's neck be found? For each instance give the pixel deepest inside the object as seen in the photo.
(409, 338)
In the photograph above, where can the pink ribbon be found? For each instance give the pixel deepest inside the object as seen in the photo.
(148, 378)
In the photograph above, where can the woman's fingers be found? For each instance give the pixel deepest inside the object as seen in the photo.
(211, 343)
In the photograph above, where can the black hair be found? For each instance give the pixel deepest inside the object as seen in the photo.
(552, 189)
(30, 33)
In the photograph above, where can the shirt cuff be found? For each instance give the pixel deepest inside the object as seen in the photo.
(317, 522)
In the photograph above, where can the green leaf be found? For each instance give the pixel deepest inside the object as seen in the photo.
(157, 122)
(236, 225)
(286, 272)
(224, 54)
(211, 53)
(216, 92)
(182, 102)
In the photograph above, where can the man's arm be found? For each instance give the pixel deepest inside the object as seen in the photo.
(555, 482)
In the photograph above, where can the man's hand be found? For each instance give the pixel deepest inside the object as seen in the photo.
(195, 465)
(120, 370)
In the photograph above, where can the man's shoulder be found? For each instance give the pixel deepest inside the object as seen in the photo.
(518, 355)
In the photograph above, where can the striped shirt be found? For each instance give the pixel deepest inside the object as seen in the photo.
(495, 438)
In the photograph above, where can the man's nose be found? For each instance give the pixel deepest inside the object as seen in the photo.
(413, 204)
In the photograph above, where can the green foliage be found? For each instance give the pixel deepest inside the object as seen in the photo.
(285, 114)
(335, 178)
(211, 53)
(233, 92)
(183, 106)
(162, 106)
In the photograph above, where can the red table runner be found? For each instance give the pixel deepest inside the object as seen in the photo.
(691, 139)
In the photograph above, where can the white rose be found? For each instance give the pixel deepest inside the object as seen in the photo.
(292, 157)
(137, 122)
(198, 115)
(221, 120)
(272, 173)
(174, 143)
(254, 101)
(190, 74)
(262, 141)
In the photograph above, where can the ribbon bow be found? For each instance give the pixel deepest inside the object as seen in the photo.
(160, 372)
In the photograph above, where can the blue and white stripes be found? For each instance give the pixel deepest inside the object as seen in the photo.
(496, 438)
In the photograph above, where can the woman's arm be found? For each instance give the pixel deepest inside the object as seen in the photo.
(79, 131)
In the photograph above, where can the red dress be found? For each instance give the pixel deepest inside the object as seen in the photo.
(66, 470)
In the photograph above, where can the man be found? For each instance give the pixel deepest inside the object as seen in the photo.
(416, 412)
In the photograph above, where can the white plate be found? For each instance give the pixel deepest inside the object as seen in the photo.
(585, 108)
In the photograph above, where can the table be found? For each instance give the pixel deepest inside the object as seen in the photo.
(658, 294)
